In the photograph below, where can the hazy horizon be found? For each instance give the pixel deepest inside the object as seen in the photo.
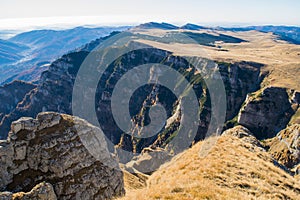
(34, 14)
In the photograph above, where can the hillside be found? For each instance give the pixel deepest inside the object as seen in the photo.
(281, 60)
(237, 167)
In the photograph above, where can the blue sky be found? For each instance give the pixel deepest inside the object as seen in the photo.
(14, 13)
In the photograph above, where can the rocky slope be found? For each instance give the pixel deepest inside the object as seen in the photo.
(12, 94)
(237, 167)
(49, 149)
(285, 147)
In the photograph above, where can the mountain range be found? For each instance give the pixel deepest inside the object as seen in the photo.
(27, 55)
(253, 154)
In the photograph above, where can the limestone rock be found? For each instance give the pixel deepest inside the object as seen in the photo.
(49, 149)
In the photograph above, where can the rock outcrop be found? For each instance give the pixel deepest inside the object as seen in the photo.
(285, 147)
(266, 113)
(51, 148)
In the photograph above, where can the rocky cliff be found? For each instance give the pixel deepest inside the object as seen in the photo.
(54, 93)
(264, 111)
(49, 149)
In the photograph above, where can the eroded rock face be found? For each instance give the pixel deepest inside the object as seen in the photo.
(268, 113)
(285, 147)
(49, 149)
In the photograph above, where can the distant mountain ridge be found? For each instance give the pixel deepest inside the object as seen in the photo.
(43, 47)
(11, 52)
(163, 25)
(288, 33)
(189, 26)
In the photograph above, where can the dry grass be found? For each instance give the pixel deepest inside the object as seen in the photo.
(281, 60)
(134, 181)
(296, 118)
(233, 169)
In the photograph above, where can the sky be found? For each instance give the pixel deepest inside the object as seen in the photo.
(18, 14)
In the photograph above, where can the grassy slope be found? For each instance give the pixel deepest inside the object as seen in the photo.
(234, 169)
(281, 59)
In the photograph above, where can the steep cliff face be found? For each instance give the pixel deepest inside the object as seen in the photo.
(11, 94)
(54, 93)
(49, 149)
(239, 79)
(267, 112)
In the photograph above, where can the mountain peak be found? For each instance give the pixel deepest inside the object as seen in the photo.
(153, 25)
(189, 26)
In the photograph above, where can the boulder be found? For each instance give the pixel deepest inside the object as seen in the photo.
(63, 150)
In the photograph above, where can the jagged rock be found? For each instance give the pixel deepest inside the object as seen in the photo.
(49, 149)
(266, 113)
(148, 161)
(285, 147)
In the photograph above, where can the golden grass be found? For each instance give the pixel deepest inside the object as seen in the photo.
(134, 181)
(281, 60)
(234, 169)
(296, 118)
